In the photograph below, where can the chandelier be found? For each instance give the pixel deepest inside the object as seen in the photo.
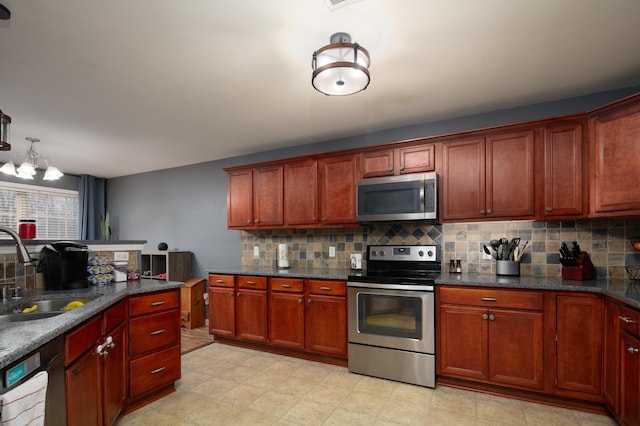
(28, 167)
(340, 68)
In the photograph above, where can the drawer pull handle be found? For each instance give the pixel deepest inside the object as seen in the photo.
(158, 370)
(627, 320)
(285, 286)
(325, 288)
(155, 333)
(251, 282)
(220, 281)
(488, 299)
(632, 350)
(158, 303)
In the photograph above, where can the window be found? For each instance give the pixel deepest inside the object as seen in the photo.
(54, 210)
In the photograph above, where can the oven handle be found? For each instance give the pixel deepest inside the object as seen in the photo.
(396, 286)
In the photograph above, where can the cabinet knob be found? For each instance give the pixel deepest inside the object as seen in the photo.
(482, 211)
(300, 301)
(485, 316)
(489, 211)
(401, 168)
(632, 350)
(231, 293)
(310, 300)
(239, 294)
(548, 208)
(257, 221)
(249, 222)
(492, 317)
(390, 169)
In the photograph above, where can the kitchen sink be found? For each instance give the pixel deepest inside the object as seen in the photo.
(46, 308)
(9, 318)
(52, 305)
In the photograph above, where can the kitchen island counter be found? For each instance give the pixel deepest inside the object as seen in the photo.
(21, 338)
(624, 290)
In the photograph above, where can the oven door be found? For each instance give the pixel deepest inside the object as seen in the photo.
(397, 319)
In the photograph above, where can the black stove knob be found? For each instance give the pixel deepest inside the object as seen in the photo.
(430, 253)
(381, 253)
(373, 253)
(420, 253)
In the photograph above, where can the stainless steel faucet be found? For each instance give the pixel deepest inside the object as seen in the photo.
(21, 250)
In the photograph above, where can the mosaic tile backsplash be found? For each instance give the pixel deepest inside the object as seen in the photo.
(608, 243)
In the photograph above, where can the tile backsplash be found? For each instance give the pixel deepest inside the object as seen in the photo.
(608, 243)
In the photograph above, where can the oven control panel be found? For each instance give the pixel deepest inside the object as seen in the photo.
(424, 253)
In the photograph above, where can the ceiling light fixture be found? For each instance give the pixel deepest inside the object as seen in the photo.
(5, 123)
(28, 167)
(340, 68)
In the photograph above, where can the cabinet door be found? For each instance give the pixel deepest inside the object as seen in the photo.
(338, 176)
(115, 375)
(222, 312)
(326, 324)
(463, 347)
(251, 315)
(510, 173)
(563, 172)
(301, 193)
(515, 348)
(616, 161)
(84, 390)
(414, 159)
(579, 343)
(611, 355)
(240, 199)
(268, 191)
(286, 319)
(463, 188)
(377, 163)
(629, 377)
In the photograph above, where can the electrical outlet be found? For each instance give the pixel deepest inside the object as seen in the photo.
(332, 251)
(121, 256)
(256, 251)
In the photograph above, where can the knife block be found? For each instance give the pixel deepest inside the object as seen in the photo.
(584, 271)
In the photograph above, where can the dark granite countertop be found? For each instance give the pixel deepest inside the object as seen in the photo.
(263, 271)
(21, 338)
(35, 242)
(622, 289)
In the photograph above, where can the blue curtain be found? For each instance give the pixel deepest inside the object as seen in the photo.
(91, 202)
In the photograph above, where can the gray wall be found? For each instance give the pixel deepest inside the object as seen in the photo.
(186, 206)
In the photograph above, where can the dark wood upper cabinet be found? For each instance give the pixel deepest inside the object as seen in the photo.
(614, 143)
(240, 199)
(398, 161)
(337, 189)
(301, 193)
(268, 196)
(463, 184)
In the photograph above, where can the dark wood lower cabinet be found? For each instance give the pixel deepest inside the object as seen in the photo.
(83, 384)
(629, 379)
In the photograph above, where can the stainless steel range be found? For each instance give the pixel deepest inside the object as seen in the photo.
(392, 316)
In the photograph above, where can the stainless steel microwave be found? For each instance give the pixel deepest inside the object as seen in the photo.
(398, 198)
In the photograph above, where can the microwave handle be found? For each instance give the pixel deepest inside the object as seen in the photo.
(422, 198)
(429, 191)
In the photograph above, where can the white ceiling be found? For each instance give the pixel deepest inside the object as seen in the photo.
(121, 87)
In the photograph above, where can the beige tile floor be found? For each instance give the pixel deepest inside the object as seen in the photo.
(225, 385)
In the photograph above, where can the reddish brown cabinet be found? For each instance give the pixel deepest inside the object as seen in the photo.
(337, 189)
(493, 336)
(389, 162)
(301, 193)
(579, 345)
(611, 357)
(286, 312)
(489, 177)
(614, 132)
(326, 317)
(95, 359)
(255, 197)
(222, 305)
(564, 182)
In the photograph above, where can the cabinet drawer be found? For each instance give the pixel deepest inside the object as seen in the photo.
(492, 298)
(114, 316)
(252, 282)
(153, 371)
(629, 320)
(286, 284)
(336, 288)
(154, 302)
(82, 338)
(153, 331)
(221, 280)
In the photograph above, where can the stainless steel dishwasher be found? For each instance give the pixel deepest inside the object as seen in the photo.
(50, 358)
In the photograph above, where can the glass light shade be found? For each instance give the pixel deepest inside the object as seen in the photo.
(340, 68)
(52, 173)
(24, 175)
(26, 168)
(8, 168)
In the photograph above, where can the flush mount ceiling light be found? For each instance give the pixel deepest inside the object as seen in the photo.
(28, 167)
(5, 123)
(340, 68)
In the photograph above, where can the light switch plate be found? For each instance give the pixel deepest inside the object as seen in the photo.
(256, 251)
(332, 251)
(121, 256)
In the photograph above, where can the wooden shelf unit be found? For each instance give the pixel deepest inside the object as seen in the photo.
(176, 264)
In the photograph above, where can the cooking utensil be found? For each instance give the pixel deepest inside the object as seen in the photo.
(520, 251)
(487, 251)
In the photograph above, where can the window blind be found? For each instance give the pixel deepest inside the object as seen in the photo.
(54, 210)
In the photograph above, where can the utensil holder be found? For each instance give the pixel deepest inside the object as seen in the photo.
(508, 267)
(584, 271)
